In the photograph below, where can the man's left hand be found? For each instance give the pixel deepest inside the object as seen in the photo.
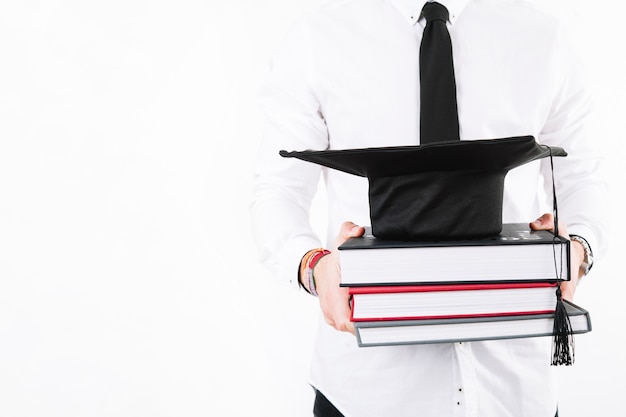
(577, 253)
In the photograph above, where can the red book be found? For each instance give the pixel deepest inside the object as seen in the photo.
(451, 301)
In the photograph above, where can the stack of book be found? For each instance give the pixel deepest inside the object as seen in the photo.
(452, 291)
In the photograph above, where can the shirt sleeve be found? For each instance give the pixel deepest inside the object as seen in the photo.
(581, 186)
(284, 188)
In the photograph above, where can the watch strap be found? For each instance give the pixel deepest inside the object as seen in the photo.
(588, 261)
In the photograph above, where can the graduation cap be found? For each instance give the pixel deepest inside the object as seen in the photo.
(442, 191)
(437, 191)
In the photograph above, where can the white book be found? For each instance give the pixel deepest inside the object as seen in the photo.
(407, 332)
(516, 254)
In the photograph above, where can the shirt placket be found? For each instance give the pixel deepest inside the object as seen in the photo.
(466, 391)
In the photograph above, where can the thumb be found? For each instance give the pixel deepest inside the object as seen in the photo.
(545, 222)
(349, 229)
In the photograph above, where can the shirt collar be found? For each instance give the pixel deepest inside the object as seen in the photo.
(412, 9)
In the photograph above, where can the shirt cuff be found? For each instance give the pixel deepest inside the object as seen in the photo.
(290, 258)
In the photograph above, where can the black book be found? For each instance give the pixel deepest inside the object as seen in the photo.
(516, 254)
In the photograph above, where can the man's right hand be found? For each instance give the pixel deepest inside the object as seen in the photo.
(334, 299)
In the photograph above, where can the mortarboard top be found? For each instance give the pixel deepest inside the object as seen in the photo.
(436, 191)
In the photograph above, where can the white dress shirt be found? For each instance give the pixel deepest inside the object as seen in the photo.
(347, 76)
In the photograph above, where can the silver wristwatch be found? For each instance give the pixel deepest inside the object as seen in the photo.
(588, 260)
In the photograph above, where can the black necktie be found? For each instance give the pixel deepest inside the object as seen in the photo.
(439, 120)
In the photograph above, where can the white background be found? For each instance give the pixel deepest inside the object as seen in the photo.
(128, 281)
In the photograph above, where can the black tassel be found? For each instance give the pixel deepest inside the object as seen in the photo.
(563, 339)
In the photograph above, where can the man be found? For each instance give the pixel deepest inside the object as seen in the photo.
(347, 76)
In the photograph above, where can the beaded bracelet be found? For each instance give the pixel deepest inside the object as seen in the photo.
(303, 280)
(302, 269)
(313, 260)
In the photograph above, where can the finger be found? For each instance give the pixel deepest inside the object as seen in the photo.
(545, 222)
(339, 318)
(335, 304)
(342, 320)
(341, 324)
(348, 230)
(568, 289)
(345, 326)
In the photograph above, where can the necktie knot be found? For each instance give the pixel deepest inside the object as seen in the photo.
(435, 11)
